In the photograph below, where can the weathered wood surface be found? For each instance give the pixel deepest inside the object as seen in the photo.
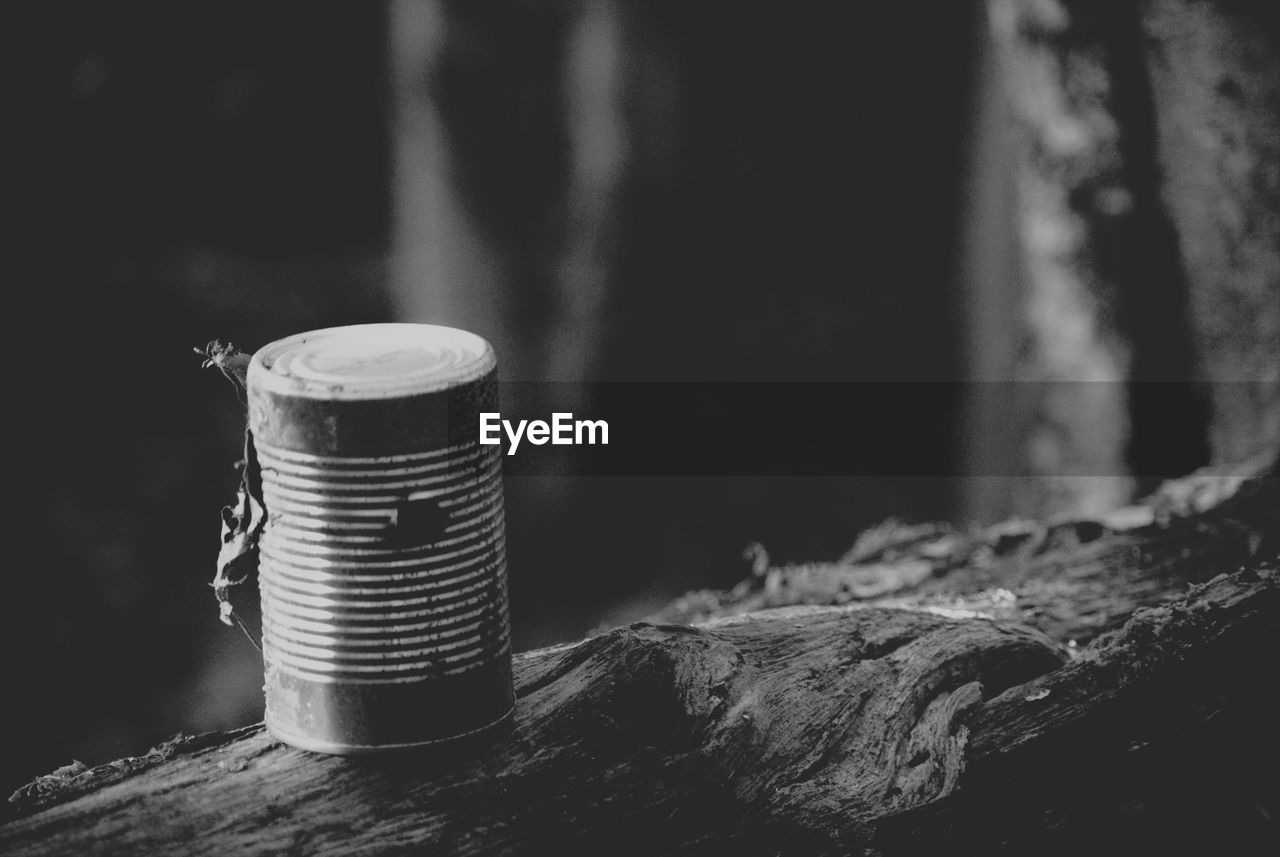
(961, 719)
(1071, 578)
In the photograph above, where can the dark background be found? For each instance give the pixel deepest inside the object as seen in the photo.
(185, 172)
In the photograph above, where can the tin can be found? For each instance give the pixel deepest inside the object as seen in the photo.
(383, 564)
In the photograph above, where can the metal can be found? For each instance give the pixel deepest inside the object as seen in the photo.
(382, 564)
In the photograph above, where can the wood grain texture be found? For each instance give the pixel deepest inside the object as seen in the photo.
(806, 729)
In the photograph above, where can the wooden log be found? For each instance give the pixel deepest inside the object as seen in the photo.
(1071, 579)
(801, 730)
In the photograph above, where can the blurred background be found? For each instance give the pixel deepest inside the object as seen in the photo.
(656, 190)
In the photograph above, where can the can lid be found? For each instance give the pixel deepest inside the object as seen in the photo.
(370, 361)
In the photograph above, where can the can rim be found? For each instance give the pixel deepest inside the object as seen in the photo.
(370, 361)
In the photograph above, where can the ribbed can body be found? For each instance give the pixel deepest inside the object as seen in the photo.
(382, 565)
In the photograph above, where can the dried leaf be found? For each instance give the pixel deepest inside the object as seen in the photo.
(243, 520)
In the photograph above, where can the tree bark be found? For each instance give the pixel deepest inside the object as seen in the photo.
(951, 709)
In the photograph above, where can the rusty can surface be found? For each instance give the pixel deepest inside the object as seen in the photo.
(382, 564)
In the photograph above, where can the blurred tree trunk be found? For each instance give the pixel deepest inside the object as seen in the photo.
(443, 269)
(1132, 153)
(494, 228)
(510, 153)
(1215, 90)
